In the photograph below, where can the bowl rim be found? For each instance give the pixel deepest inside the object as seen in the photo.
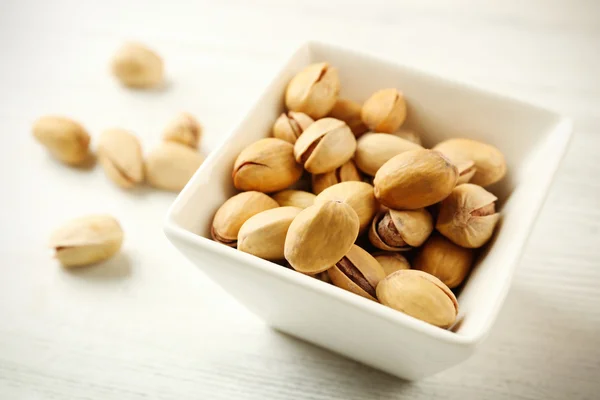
(175, 233)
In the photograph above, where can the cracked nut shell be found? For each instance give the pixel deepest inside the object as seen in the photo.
(357, 272)
(232, 214)
(290, 126)
(320, 236)
(394, 230)
(349, 112)
(420, 295)
(184, 129)
(267, 165)
(468, 216)
(120, 155)
(313, 91)
(415, 179)
(384, 111)
(347, 172)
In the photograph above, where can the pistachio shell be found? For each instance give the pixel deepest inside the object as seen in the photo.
(137, 66)
(391, 261)
(409, 135)
(66, 139)
(358, 272)
(120, 154)
(267, 166)
(420, 295)
(230, 217)
(375, 149)
(489, 161)
(445, 260)
(325, 145)
(263, 234)
(467, 216)
(171, 165)
(349, 112)
(184, 129)
(415, 179)
(290, 126)
(313, 90)
(384, 111)
(294, 198)
(394, 230)
(87, 240)
(466, 171)
(320, 236)
(358, 195)
(347, 172)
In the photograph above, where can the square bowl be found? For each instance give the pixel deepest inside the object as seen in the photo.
(533, 141)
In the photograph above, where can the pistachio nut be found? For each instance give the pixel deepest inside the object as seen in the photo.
(347, 172)
(357, 272)
(468, 216)
(384, 111)
(358, 195)
(326, 145)
(66, 139)
(395, 230)
(466, 171)
(445, 260)
(313, 91)
(294, 198)
(489, 161)
(290, 126)
(230, 217)
(171, 165)
(409, 135)
(87, 240)
(267, 166)
(263, 234)
(375, 149)
(349, 112)
(184, 129)
(137, 66)
(120, 154)
(391, 261)
(320, 236)
(415, 179)
(420, 295)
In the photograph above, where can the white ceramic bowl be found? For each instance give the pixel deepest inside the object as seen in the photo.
(533, 141)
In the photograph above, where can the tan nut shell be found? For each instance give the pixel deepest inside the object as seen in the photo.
(358, 195)
(137, 66)
(413, 226)
(230, 217)
(325, 145)
(409, 135)
(375, 149)
(420, 295)
(466, 171)
(445, 260)
(391, 261)
(87, 240)
(457, 222)
(294, 198)
(313, 91)
(184, 129)
(263, 234)
(290, 126)
(415, 179)
(349, 112)
(320, 236)
(347, 172)
(120, 155)
(171, 165)
(267, 165)
(384, 111)
(66, 139)
(368, 267)
(489, 161)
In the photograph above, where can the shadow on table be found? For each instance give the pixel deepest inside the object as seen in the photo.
(116, 268)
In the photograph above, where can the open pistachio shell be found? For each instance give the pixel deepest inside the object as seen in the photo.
(347, 172)
(349, 112)
(358, 272)
(384, 111)
(313, 91)
(290, 126)
(394, 230)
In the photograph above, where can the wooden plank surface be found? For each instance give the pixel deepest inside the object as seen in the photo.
(149, 325)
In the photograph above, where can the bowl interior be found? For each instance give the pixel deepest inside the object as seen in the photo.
(532, 140)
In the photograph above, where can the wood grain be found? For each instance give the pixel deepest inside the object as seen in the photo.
(149, 325)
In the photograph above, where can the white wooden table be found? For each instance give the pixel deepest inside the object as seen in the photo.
(149, 325)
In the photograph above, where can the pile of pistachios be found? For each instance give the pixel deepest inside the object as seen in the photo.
(343, 194)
